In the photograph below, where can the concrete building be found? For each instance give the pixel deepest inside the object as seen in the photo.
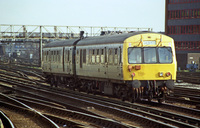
(182, 23)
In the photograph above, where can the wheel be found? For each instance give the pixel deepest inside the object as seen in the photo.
(150, 97)
(93, 90)
(139, 94)
(122, 98)
(87, 90)
(160, 101)
(51, 82)
(132, 98)
(136, 94)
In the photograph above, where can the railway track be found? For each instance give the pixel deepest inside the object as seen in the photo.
(127, 109)
(186, 94)
(36, 72)
(137, 113)
(191, 77)
(24, 114)
(191, 98)
(93, 119)
(5, 121)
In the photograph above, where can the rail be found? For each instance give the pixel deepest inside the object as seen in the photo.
(7, 123)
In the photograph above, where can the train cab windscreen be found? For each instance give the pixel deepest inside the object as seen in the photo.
(135, 55)
(149, 55)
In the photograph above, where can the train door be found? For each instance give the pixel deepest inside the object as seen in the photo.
(67, 63)
(113, 63)
(49, 60)
(69, 60)
(63, 59)
(74, 60)
(81, 58)
(109, 62)
(106, 62)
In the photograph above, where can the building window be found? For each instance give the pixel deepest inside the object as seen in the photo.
(184, 14)
(187, 45)
(182, 1)
(188, 29)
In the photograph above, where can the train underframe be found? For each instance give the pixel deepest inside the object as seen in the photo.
(148, 89)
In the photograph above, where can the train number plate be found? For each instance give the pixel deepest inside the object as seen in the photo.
(149, 42)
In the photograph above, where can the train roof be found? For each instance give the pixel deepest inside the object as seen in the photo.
(107, 39)
(61, 43)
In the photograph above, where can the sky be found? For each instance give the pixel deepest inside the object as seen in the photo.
(110, 13)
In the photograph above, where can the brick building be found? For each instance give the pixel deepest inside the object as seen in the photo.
(182, 23)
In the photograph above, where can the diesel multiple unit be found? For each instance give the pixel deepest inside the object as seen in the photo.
(130, 66)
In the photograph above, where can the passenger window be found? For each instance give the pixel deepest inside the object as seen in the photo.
(120, 55)
(102, 56)
(54, 56)
(68, 55)
(116, 56)
(77, 52)
(97, 56)
(47, 56)
(84, 55)
(90, 56)
(59, 56)
(115, 51)
(93, 52)
(51, 55)
(105, 55)
(110, 57)
(93, 56)
(58, 59)
(81, 58)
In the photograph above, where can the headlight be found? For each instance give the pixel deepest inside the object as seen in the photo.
(160, 74)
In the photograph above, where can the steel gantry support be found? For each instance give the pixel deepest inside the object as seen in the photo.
(47, 33)
(56, 32)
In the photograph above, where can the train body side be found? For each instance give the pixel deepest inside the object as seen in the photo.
(59, 58)
(99, 62)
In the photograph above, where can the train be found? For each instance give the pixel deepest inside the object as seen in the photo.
(131, 66)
